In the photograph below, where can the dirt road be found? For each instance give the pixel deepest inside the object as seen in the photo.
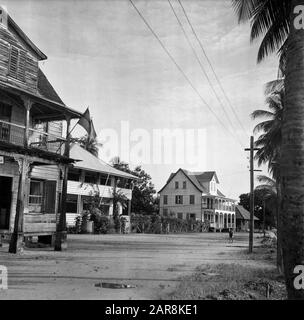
(151, 263)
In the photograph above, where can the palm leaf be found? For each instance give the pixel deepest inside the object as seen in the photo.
(244, 9)
(272, 86)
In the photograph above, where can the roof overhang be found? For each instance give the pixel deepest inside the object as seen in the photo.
(38, 156)
(40, 55)
(44, 109)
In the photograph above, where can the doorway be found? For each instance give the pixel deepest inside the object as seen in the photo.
(5, 201)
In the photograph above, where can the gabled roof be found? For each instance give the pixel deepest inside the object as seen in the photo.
(197, 179)
(87, 161)
(242, 213)
(206, 176)
(25, 38)
(45, 88)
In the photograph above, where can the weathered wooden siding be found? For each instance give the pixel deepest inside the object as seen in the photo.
(39, 223)
(8, 39)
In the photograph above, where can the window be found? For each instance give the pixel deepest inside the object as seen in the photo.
(204, 202)
(165, 199)
(165, 212)
(184, 184)
(180, 215)
(192, 216)
(192, 199)
(36, 192)
(71, 204)
(17, 63)
(90, 177)
(105, 180)
(5, 115)
(42, 196)
(74, 175)
(178, 199)
(176, 185)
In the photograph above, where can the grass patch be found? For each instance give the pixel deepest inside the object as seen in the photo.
(230, 282)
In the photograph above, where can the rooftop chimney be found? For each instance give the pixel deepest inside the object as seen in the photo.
(3, 17)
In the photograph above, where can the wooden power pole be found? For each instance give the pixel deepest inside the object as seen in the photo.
(251, 224)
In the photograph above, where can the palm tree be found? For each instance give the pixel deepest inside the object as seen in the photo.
(269, 143)
(270, 139)
(274, 19)
(88, 143)
(271, 190)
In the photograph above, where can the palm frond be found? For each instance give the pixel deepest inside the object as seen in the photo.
(273, 86)
(273, 40)
(266, 180)
(244, 9)
(261, 114)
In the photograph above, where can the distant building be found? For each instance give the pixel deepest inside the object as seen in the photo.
(196, 195)
(243, 219)
(89, 176)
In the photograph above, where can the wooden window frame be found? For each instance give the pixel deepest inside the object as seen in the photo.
(165, 199)
(192, 197)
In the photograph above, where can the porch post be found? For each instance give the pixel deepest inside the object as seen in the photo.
(61, 230)
(129, 208)
(28, 105)
(16, 242)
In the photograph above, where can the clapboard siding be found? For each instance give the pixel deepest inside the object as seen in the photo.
(70, 219)
(86, 189)
(8, 39)
(45, 172)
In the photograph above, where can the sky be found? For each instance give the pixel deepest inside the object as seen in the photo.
(102, 55)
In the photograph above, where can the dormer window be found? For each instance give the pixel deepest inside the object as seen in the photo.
(17, 63)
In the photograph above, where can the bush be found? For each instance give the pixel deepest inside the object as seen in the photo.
(159, 224)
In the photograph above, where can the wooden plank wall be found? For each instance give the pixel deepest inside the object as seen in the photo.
(8, 38)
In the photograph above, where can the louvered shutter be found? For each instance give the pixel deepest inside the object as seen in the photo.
(49, 196)
(21, 65)
(13, 65)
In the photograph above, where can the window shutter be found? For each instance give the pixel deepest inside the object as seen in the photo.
(13, 65)
(49, 196)
(21, 65)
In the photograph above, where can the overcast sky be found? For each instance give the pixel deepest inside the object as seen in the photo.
(101, 55)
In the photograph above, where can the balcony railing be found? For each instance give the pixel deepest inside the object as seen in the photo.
(16, 134)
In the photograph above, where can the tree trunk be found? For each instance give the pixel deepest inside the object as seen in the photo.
(292, 161)
(280, 264)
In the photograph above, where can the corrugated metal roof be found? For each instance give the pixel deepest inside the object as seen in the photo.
(92, 163)
(242, 213)
(46, 89)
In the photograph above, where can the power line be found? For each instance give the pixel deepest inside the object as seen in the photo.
(179, 68)
(202, 68)
(213, 70)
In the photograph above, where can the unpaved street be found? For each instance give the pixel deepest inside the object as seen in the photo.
(152, 263)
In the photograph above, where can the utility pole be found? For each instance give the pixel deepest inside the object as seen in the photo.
(251, 224)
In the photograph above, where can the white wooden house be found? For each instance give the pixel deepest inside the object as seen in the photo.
(196, 195)
(90, 176)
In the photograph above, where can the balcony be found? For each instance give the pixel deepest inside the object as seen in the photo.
(18, 135)
(88, 189)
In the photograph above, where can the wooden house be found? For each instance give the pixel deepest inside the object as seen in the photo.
(34, 154)
(92, 176)
(243, 219)
(196, 195)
